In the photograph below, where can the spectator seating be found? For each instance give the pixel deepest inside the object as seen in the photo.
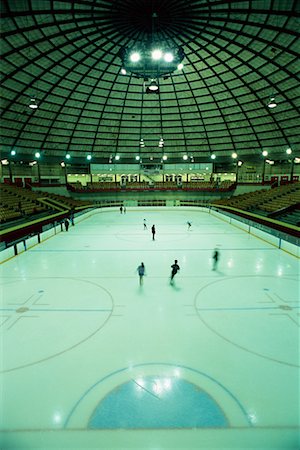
(266, 202)
(19, 203)
(16, 202)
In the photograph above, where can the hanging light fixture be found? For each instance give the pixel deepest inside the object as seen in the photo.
(33, 104)
(153, 86)
(272, 103)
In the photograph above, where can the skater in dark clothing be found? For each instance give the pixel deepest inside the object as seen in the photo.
(215, 257)
(141, 272)
(175, 268)
(72, 217)
(121, 209)
(189, 225)
(66, 224)
(153, 231)
(145, 225)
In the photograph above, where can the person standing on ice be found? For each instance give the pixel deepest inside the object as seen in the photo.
(215, 258)
(153, 231)
(141, 271)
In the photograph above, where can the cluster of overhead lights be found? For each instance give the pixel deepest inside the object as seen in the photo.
(151, 62)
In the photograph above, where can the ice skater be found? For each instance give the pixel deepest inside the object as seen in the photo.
(141, 271)
(189, 224)
(145, 225)
(121, 209)
(215, 258)
(175, 268)
(153, 231)
(67, 223)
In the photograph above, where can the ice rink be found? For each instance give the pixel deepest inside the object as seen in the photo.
(91, 359)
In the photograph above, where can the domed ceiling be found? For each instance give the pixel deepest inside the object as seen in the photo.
(66, 56)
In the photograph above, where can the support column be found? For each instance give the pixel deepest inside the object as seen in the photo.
(292, 169)
(39, 172)
(263, 172)
(10, 173)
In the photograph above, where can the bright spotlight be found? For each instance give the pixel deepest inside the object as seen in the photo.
(156, 54)
(168, 57)
(135, 57)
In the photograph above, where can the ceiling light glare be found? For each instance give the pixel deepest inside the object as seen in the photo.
(168, 57)
(135, 57)
(234, 155)
(37, 154)
(213, 156)
(265, 153)
(137, 157)
(272, 103)
(89, 157)
(156, 54)
(63, 164)
(123, 71)
(185, 157)
(288, 151)
(117, 157)
(165, 157)
(68, 156)
(180, 66)
(240, 163)
(13, 152)
(4, 162)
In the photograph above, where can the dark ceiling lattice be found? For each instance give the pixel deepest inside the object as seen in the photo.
(65, 54)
